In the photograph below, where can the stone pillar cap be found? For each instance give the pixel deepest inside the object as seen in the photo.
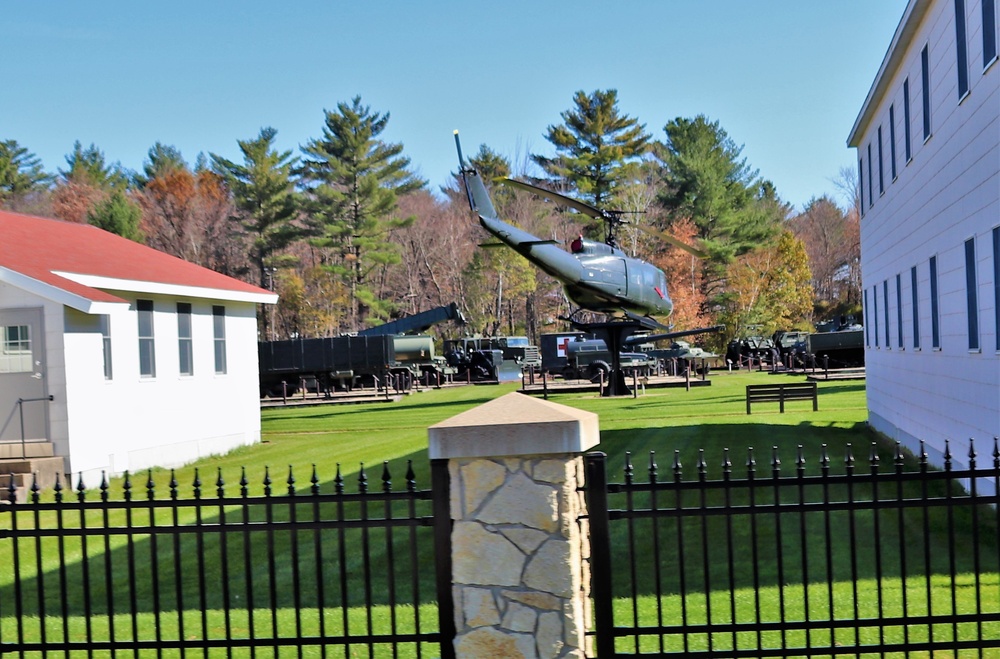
(511, 425)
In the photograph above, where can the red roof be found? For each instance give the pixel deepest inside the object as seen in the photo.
(38, 247)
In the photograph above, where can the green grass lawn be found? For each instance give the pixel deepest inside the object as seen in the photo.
(665, 427)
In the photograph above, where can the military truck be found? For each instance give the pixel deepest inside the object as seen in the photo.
(576, 355)
(499, 358)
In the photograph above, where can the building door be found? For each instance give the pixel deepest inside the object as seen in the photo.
(22, 376)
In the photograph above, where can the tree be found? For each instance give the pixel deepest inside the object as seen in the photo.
(827, 234)
(768, 288)
(264, 194)
(88, 181)
(597, 147)
(705, 180)
(21, 173)
(117, 214)
(352, 179)
(161, 160)
(87, 166)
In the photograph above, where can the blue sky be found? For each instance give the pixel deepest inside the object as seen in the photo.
(785, 78)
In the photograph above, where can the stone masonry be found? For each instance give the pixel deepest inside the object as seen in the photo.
(520, 553)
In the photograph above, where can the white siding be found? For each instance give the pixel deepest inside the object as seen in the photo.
(129, 423)
(947, 194)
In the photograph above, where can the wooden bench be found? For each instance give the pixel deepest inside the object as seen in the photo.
(770, 393)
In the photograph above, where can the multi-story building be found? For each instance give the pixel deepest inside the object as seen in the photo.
(928, 154)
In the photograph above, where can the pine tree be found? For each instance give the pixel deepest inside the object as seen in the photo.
(353, 179)
(263, 193)
(597, 147)
(21, 172)
(117, 214)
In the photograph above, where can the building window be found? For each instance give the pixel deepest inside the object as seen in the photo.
(871, 195)
(147, 347)
(106, 341)
(925, 76)
(961, 48)
(885, 306)
(971, 293)
(867, 314)
(892, 140)
(185, 346)
(219, 325)
(899, 311)
(861, 184)
(875, 313)
(996, 285)
(989, 34)
(935, 325)
(881, 177)
(916, 308)
(906, 119)
(15, 351)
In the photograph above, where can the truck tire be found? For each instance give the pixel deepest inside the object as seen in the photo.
(599, 370)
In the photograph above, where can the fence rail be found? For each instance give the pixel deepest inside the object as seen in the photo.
(308, 572)
(808, 563)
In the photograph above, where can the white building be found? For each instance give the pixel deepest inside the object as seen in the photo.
(928, 149)
(149, 360)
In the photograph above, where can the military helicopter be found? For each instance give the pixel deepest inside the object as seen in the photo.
(596, 276)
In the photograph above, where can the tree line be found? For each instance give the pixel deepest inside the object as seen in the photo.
(349, 236)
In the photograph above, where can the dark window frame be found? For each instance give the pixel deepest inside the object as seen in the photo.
(881, 174)
(185, 339)
(861, 184)
(972, 294)
(866, 313)
(105, 325)
(961, 50)
(219, 339)
(147, 338)
(892, 140)
(875, 331)
(871, 194)
(996, 286)
(885, 304)
(935, 317)
(925, 76)
(914, 298)
(989, 34)
(899, 311)
(906, 120)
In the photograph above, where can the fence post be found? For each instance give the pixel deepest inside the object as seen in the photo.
(520, 546)
(600, 550)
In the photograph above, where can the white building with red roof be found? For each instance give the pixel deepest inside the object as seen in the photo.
(115, 357)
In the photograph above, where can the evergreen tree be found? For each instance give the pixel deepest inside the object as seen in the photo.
(161, 159)
(264, 194)
(117, 214)
(706, 180)
(20, 172)
(88, 167)
(353, 179)
(597, 147)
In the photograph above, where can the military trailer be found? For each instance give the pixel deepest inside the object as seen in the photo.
(326, 364)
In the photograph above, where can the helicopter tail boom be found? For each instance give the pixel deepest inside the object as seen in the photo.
(479, 198)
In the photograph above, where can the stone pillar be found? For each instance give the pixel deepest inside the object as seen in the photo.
(520, 553)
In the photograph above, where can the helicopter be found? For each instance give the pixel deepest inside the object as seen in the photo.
(597, 276)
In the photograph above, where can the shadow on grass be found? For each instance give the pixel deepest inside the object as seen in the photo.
(284, 551)
(311, 551)
(721, 543)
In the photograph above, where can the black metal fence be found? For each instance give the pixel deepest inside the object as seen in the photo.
(216, 573)
(822, 559)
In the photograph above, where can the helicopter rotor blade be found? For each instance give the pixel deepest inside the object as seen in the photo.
(575, 204)
(670, 240)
